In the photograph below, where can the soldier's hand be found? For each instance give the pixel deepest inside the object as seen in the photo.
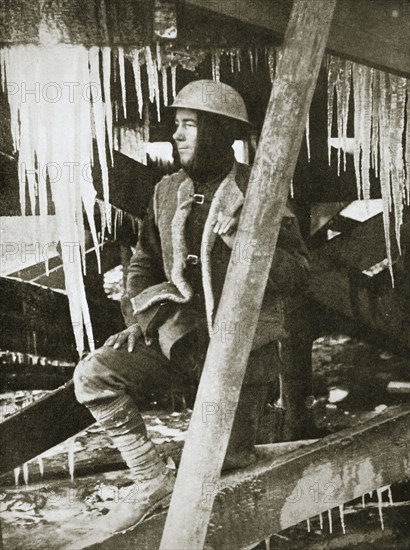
(126, 337)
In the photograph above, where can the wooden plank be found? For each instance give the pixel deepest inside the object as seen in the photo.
(38, 427)
(372, 32)
(276, 493)
(245, 283)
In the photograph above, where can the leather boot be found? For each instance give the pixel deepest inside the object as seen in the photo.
(241, 448)
(153, 483)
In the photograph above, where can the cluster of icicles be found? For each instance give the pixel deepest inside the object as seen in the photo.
(342, 512)
(379, 128)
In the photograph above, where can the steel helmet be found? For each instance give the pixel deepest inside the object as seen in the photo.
(212, 97)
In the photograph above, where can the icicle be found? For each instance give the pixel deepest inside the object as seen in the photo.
(389, 493)
(99, 117)
(106, 62)
(308, 136)
(308, 525)
(159, 58)
(137, 78)
(342, 518)
(150, 73)
(2, 70)
(380, 506)
(321, 521)
(363, 501)
(40, 465)
(238, 60)
(397, 171)
(216, 64)
(366, 125)
(271, 63)
(267, 544)
(231, 57)
(62, 138)
(370, 494)
(71, 451)
(174, 80)
(292, 190)
(329, 515)
(375, 123)
(256, 58)
(122, 79)
(25, 474)
(251, 62)
(343, 85)
(16, 476)
(331, 83)
(384, 130)
(165, 85)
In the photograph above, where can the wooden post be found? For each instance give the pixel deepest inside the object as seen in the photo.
(245, 283)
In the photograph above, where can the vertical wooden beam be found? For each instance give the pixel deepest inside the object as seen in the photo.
(245, 283)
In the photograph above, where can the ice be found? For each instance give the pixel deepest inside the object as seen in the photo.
(380, 506)
(16, 476)
(216, 64)
(251, 60)
(329, 515)
(271, 62)
(308, 135)
(308, 525)
(137, 78)
(342, 518)
(106, 59)
(321, 521)
(174, 80)
(25, 474)
(71, 463)
(40, 465)
(121, 63)
(165, 85)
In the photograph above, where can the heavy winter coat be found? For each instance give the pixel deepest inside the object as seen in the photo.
(161, 285)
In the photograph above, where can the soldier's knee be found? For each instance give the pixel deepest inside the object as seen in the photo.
(85, 378)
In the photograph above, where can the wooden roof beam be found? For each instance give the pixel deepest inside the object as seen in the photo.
(372, 32)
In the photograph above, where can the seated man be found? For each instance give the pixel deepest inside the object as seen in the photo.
(174, 285)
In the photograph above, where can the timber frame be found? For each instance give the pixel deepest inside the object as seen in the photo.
(375, 39)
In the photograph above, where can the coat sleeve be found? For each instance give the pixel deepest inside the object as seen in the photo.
(289, 274)
(146, 265)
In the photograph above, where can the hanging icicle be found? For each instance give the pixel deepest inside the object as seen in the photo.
(135, 56)
(159, 57)
(174, 80)
(379, 125)
(71, 451)
(329, 515)
(153, 84)
(363, 91)
(25, 474)
(165, 85)
(380, 506)
(99, 118)
(308, 136)
(333, 68)
(232, 60)
(272, 62)
(256, 58)
(238, 60)
(121, 63)
(321, 521)
(342, 518)
(384, 122)
(106, 60)
(216, 64)
(407, 175)
(62, 146)
(40, 465)
(16, 476)
(397, 171)
(251, 60)
(308, 525)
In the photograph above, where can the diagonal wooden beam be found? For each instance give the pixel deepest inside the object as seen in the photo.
(281, 491)
(245, 282)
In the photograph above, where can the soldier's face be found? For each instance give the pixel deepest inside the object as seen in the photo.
(186, 134)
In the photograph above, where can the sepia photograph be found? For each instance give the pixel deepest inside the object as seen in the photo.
(205, 274)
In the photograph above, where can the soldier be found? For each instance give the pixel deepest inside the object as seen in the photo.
(174, 284)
